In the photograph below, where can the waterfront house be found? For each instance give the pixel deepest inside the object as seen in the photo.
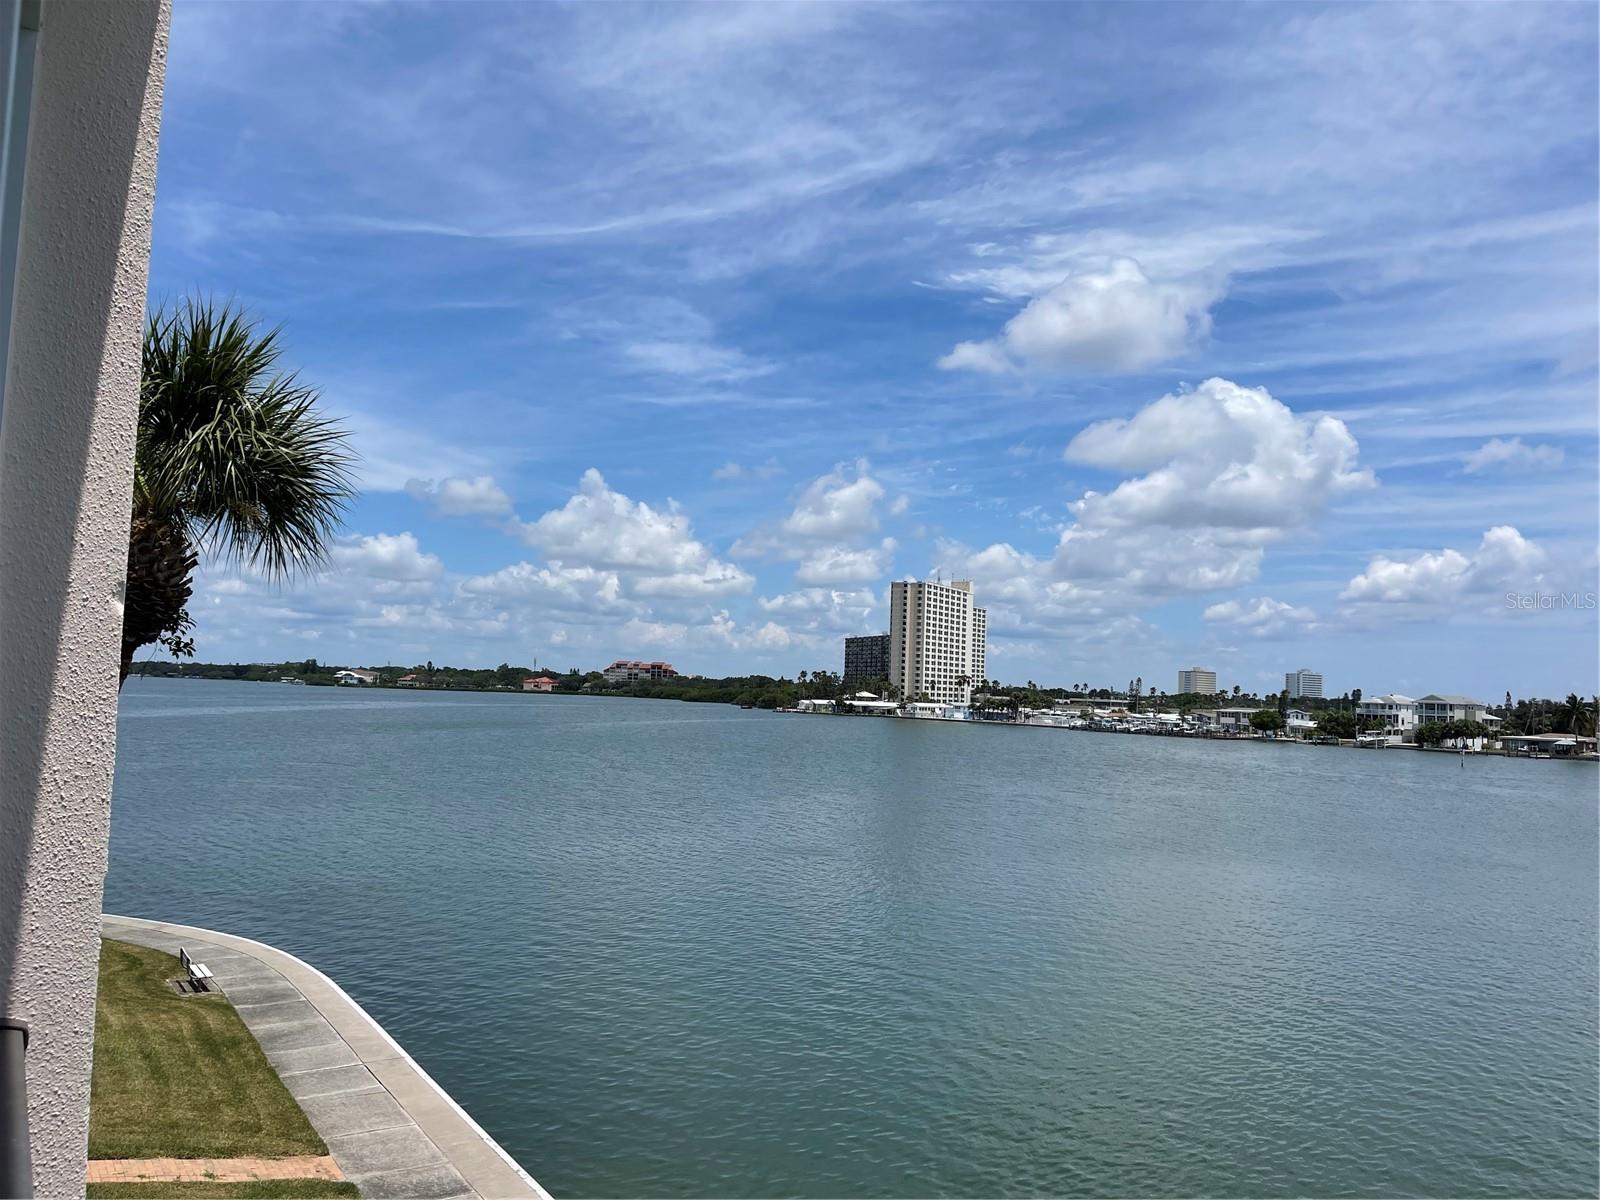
(1434, 707)
(410, 681)
(1398, 714)
(1555, 745)
(1299, 722)
(540, 683)
(1234, 719)
(355, 678)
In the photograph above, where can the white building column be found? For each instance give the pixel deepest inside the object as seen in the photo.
(66, 468)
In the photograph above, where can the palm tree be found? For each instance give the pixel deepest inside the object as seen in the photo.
(1576, 716)
(233, 458)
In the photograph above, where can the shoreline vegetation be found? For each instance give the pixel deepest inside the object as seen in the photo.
(1335, 716)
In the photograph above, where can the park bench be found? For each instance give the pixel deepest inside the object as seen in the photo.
(199, 974)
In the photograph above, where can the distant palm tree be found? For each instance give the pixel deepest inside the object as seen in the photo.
(1576, 716)
(231, 457)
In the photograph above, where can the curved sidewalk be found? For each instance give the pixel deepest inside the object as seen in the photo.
(393, 1131)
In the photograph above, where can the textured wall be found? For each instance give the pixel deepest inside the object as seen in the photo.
(66, 456)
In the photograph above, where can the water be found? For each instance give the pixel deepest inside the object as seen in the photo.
(667, 949)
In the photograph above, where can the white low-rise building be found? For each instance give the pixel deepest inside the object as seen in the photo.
(1235, 718)
(355, 678)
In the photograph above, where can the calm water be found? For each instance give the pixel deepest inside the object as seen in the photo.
(669, 949)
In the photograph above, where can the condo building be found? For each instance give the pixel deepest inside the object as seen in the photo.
(1197, 679)
(629, 670)
(936, 640)
(1303, 684)
(866, 658)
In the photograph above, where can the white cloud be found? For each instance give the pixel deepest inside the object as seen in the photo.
(1262, 616)
(477, 497)
(582, 590)
(839, 505)
(697, 360)
(1115, 319)
(1438, 580)
(987, 357)
(655, 549)
(1512, 454)
(1221, 456)
(1226, 472)
(732, 471)
(390, 556)
(841, 564)
(820, 616)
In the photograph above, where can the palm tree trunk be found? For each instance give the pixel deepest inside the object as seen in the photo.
(161, 564)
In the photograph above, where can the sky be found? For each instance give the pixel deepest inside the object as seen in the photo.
(1245, 337)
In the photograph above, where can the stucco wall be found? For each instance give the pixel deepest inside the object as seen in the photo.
(66, 455)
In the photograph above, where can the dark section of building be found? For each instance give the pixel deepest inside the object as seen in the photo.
(866, 658)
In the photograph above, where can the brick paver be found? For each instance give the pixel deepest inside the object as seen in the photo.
(216, 1170)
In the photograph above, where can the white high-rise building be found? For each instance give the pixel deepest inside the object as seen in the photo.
(1197, 679)
(1303, 683)
(936, 640)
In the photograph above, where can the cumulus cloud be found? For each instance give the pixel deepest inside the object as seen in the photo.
(568, 589)
(1262, 616)
(1116, 319)
(839, 505)
(841, 564)
(1215, 476)
(820, 616)
(827, 530)
(1437, 579)
(1220, 455)
(1511, 454)
(389, 556)
(655, 548)
(478, 497)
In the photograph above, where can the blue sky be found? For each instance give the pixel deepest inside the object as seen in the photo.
(1247, 337)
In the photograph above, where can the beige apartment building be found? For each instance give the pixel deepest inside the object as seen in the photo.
(937, 640)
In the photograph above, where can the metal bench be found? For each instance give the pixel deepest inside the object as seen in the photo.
(199, 973)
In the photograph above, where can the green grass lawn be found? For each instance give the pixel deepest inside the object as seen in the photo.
(181, 1077)
(262, 1189)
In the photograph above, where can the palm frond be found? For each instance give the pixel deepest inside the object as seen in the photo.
(232, 450)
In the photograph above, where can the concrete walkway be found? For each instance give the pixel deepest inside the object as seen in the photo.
(392, 1130)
